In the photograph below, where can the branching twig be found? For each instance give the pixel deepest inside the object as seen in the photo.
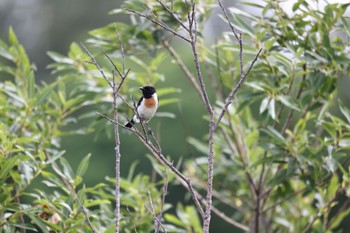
(235, 89)
(165, 190)
(199, 85)
(157, 220)
(131, 219)
(185, 181)
(72, 192)
(162, 25)
(171, 12)
(115, 89)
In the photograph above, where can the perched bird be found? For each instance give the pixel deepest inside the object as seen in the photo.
(146, 107)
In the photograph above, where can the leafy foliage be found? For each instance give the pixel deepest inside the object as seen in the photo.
(33, 119)
(281, 151)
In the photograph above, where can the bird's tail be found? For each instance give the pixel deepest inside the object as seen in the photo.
(130, 123)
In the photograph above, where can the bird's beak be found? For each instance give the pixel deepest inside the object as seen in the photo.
(141, 88)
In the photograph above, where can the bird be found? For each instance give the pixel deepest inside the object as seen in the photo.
(146, 107)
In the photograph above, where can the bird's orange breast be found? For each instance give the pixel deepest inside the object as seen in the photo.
(150, 103)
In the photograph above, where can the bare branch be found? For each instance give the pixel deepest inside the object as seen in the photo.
(186, 182)
(73, 193)
(165, 190)
(171, 12)
(228, 20)
(162, 25)
(131, 219)
(115, 120)
(223, 216)
(93, 61)
(157, 221)
(235, 89)
(229, 220)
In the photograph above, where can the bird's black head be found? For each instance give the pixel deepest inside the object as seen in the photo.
(148, 91)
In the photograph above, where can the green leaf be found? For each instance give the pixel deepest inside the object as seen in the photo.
(67, 169)
(12, 37)
(55, 156)
(4, 51)
(60, 58)
(297, 5)
(44, 93)
(338, 218)
(24, 226)
(199, 145)
(7, 165)
(289, 102)
(173, 219)
(84, 164)
(272, 111)
(164, 102)
(93, 203)
(269, 43)
(168, 90)
(345, 111)
(236, 11)
(264, 104)
(165, 114)
(279, 178)
(275, 134)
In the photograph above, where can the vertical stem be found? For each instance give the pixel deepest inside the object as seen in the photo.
(257, 212)
(207, 216)
(117, 160)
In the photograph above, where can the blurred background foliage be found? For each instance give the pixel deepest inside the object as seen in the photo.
(290, 121)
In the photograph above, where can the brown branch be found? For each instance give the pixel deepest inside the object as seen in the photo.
(171, 12)
(319, 214)
(243, 74)
(94, 62)
(165, 190)
(157, 154)
(131, 219)
(283, 200)
(210, 173)
(157, 221)
(229, 21)
(186, 182)
(229, 220)
(224, 217)
(235, 89)
(162, 25)
(290, 115)
(115, 89)
(72, 191)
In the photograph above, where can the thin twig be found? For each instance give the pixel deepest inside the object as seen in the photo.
(131, 219)
(93, 61)
(290, 196)
(235, 89)
(210, 172)
(115, 89)
(171, 12)
(229, 220)
(325, 207)
(162, 25)
(157, 221)
(72, 192)
(224, 217)
(228, 20)
(165, 190)
(186, 182)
